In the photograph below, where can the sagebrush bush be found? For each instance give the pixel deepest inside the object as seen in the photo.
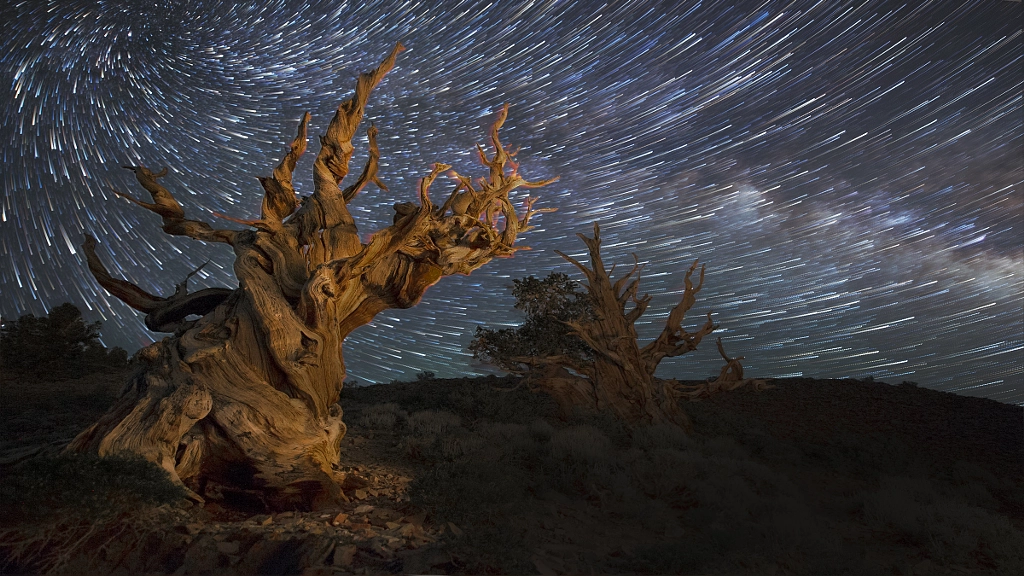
(952, 530)
(433, 422)
(385, 416)
(518, 439)
(968, 481)
(84, 486)
(584, 444)
(663, 473)
(541, 429)
(661, 436)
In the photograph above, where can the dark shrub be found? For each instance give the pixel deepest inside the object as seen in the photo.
(82, 486)
(60, 345)
(548, 304)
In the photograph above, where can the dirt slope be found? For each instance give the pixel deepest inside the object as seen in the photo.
(480, 476)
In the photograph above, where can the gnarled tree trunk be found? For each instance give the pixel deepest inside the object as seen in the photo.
(244, 400)
(729, 378)
(621, 376)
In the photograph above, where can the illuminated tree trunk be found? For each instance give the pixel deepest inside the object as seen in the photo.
(244, 400)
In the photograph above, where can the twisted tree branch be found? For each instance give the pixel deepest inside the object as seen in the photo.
(165, 205)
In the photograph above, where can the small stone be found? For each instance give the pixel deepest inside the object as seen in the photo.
(360, 494)
(378, 547)
(392, 525)
(387, 514)
(267, 521)
(364, 509)
(417, 519)
(193, 528)
(410, 530)
(228, 547)
(378, 522)
(341, 518)
(455, 529)
(344, 555)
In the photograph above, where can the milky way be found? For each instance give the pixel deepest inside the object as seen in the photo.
(849, 172)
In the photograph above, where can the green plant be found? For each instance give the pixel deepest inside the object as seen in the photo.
(83, 486)
(548, 304)
(61, 513)
(383, 416)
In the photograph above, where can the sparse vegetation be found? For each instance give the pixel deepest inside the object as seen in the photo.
(737, 497)
(82, 485)
(57, 508)
(811, 477)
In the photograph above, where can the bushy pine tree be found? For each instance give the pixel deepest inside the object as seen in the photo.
(548, 304)
(58, 345)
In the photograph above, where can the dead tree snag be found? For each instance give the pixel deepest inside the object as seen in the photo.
(730, 378)
(616, 373)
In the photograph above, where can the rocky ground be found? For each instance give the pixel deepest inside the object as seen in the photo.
(480, 476)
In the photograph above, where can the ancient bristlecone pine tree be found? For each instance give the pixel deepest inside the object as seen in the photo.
(619, 373)
(245, 399)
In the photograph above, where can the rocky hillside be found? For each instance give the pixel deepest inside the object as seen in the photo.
(481, 476)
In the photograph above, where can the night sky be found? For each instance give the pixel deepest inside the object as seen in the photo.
(850, 172)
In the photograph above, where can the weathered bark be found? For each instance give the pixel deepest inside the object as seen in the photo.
(730, 378)
(244, 399)
(621, 377)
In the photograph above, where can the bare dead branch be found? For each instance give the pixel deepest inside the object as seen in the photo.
(733, 370)
(336, 144)
(123, 290)
(674, 340)
(279, 200)
(369, 173)
(174, 221)
(162, 314)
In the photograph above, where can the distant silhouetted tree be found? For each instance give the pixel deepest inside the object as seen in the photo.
(583, 345)
(58, 345)
(549, 304)
(579, 343)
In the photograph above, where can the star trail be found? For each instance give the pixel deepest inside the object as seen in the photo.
(850, 172)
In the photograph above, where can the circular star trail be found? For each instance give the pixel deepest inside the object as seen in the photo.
(849, 172)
